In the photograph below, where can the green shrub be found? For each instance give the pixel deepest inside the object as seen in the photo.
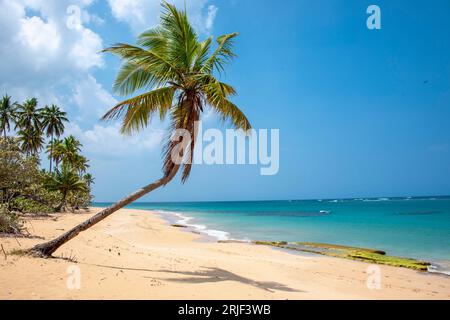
(9, 222)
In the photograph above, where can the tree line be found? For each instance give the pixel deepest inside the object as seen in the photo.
(26, 131)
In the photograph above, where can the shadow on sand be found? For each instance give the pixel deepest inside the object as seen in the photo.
(212, 275)
(218, 275)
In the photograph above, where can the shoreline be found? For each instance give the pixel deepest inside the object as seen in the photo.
(213, 235)
(137, 254)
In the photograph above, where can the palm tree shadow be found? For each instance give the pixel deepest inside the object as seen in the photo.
(218, 275)
(210, 275)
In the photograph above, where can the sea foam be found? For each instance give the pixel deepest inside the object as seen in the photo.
(184, 220)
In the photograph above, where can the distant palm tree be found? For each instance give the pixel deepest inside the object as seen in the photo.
(68, 150)
(53, 123)
(64, 181)
(177, 72)
(53, 150)
(80, 164)
(30, 140)
(7, 114)
(28, 115)
(88, 179)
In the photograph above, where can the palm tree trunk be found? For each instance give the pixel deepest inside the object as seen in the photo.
(63, 200)
(46, 249)
(51, 153)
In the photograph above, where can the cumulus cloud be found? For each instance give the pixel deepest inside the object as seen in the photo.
(92, 99)
(41, 53)
(144, 14)
(106, 140)
(37, 35)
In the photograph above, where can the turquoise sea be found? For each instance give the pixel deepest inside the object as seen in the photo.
(416, 227)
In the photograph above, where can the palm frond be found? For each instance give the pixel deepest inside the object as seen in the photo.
(137, 111)
(154, 39)
(182, 39)
(221, 55)
(158, 66)
(202, 54)
(132, 77)
(216, 95)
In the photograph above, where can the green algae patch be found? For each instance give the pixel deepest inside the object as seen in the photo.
(390, 260)
(339, 247)
(272, 243)
(347, 252)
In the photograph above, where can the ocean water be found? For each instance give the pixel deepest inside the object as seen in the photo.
(410, 227)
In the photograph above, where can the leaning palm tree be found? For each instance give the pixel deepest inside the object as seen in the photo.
(53, 123)
(30, 141)
(66, 180)
(7, 114)
(176, 71)
(28, 115)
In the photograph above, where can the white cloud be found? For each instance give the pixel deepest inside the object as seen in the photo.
(144, 14)
(106, 140)
(92, 99)
(38, 36)
(40, 54)
(85, 51)
(212, 11)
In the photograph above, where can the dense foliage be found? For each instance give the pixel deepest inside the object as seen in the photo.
(26, 188)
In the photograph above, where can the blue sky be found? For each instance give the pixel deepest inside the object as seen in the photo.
(361, 112)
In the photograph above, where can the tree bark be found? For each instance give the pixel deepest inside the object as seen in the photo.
(45, 250)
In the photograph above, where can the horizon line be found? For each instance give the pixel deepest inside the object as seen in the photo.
(279, 200)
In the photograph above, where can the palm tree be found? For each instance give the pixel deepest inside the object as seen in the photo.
(30, 141)
(66, 150)
(80, 164)
(29, 115)
(177, 72)
(69, 149)
(53, 150)
(89, 180)
(64, 181)
(7, 114)
(53, 123)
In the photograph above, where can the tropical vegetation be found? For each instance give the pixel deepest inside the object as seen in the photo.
(25, 187)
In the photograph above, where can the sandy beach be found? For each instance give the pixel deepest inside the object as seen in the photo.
(137, 255)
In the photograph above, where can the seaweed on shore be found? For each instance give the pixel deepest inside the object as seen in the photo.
(347, 252)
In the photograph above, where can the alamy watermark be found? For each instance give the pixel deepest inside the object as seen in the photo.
(374, 277)
(254, 147)
(73, 281)
(374, 20)
(73, 21)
